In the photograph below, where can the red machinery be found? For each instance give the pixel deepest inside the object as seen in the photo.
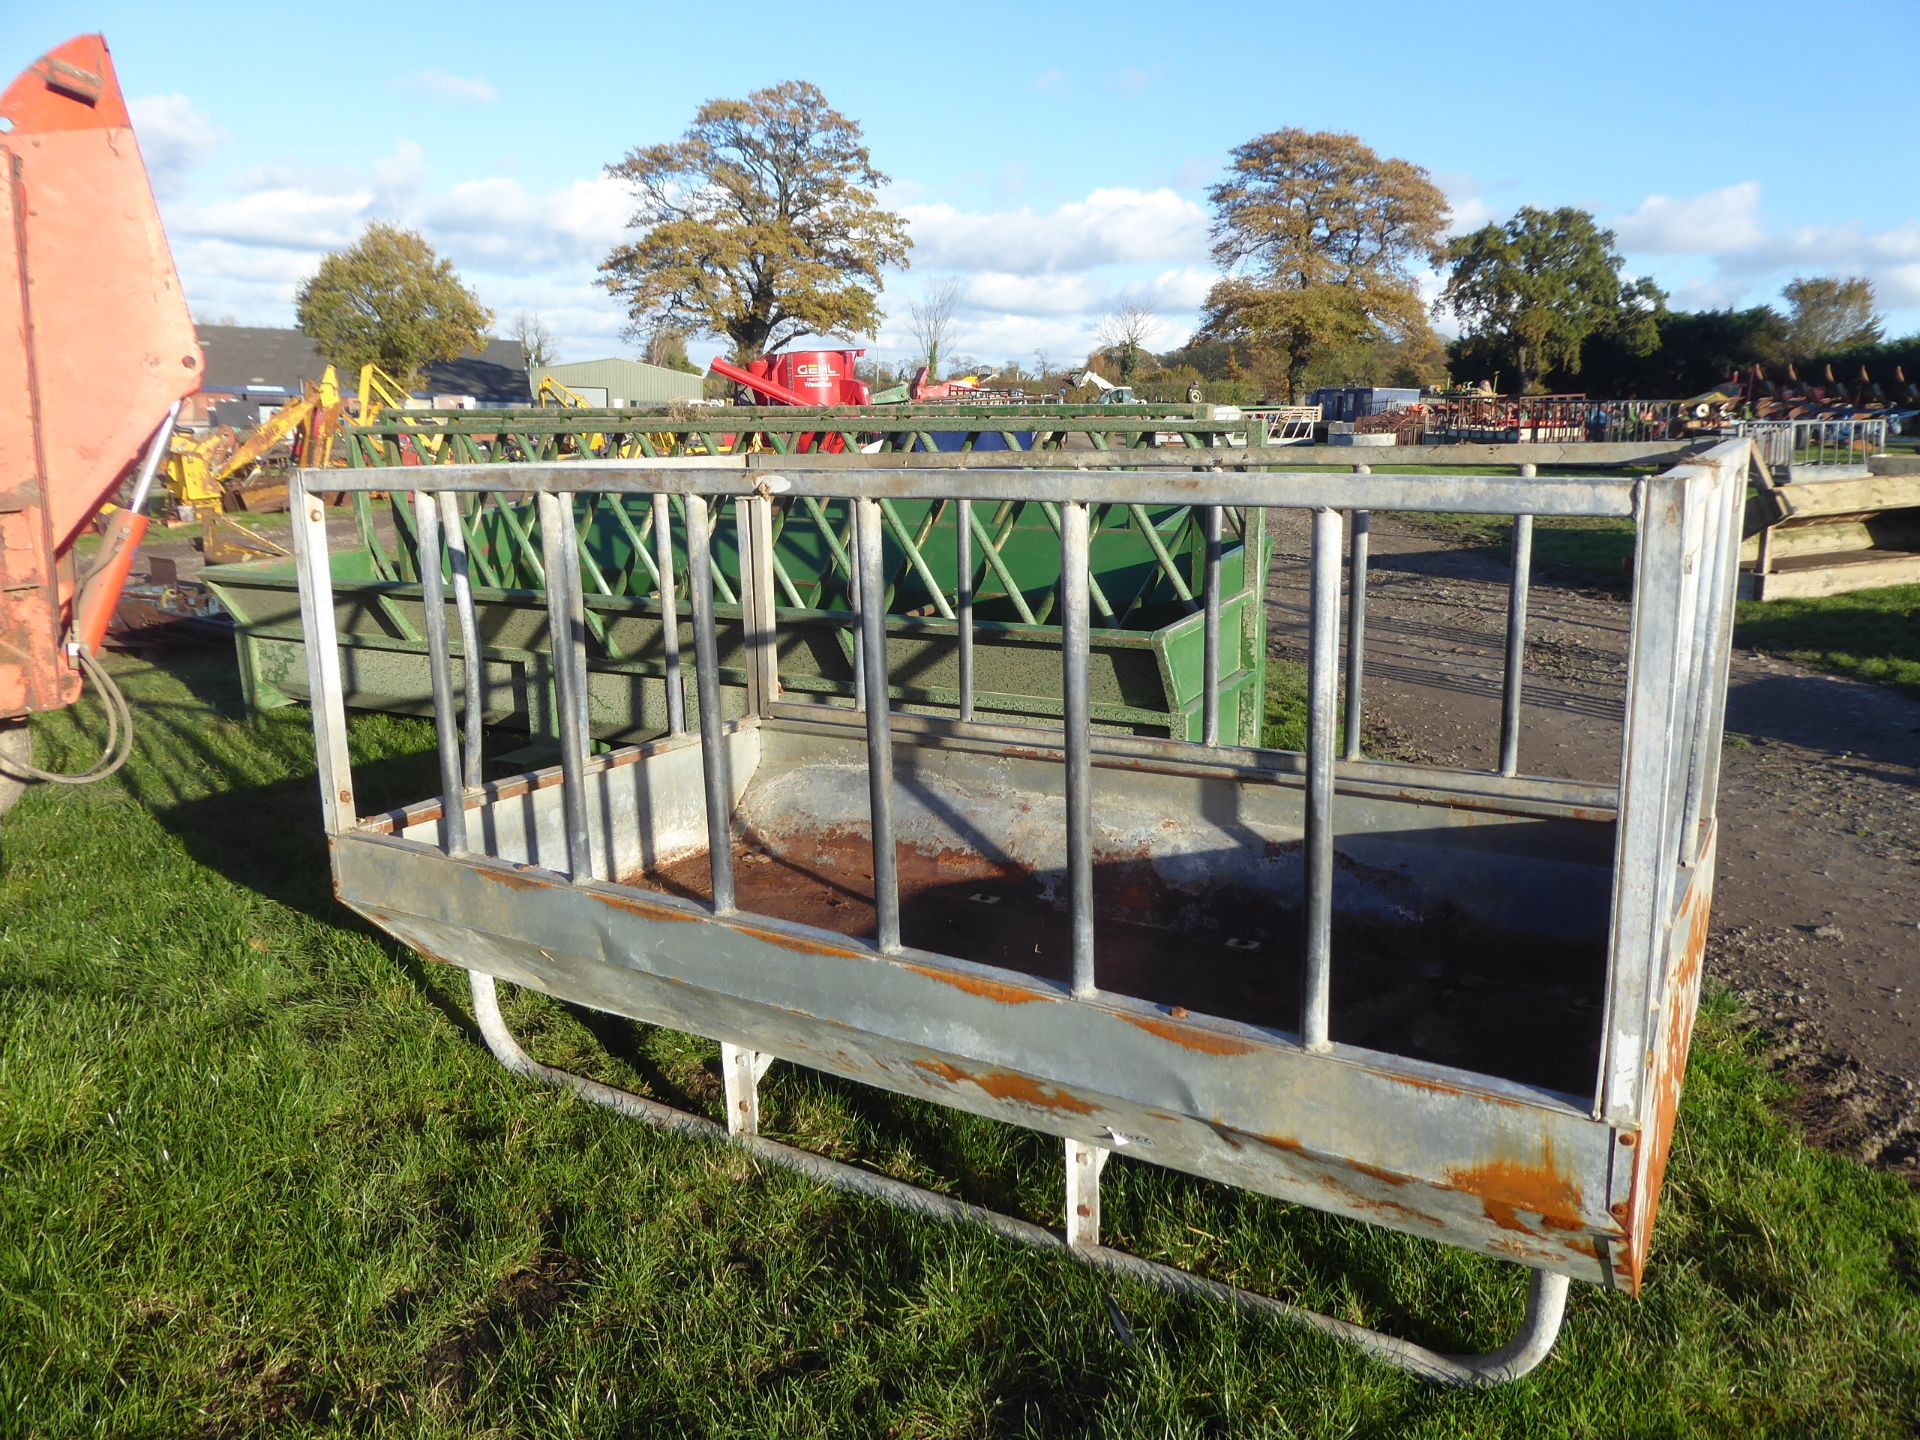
(817, 378)
(96, 351)
(801, 377)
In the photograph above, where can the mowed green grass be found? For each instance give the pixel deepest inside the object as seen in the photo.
(1870, 634)
(260, 1177)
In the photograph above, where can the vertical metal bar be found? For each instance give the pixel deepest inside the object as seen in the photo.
(714, 766)
(332, 761)
(1717, 631)
(873, 659)
(567, 631)
(1642, 867)
(1514, 678)
(1323, 682)
(473, 708)
(1074, 640)
(741, 1070)
(453, 806)
(854, 590)
(1359, 541)
(669, 615)
(754, 517)
(963, 596)
(1210, 640)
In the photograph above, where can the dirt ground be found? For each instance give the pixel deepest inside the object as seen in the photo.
(1816, 922)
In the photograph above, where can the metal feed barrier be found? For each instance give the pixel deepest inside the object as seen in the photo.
(1817, 449)
(1449, 1002)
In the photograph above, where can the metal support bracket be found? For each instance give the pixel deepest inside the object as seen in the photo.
(741, 1070)
(1084, 1164)
(1539, 1327)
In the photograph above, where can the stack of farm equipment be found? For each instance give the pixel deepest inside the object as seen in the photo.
(1828, 529)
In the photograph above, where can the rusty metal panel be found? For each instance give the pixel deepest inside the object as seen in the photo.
(34, 673)
(1672, 1033)
(1420, 1149)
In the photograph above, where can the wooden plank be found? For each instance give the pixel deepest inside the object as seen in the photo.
(1814, 582)
(1848, 497)
(1800, 540)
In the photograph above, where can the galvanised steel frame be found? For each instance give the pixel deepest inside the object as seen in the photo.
(519, 880)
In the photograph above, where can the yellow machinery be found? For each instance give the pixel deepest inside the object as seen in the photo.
(380, 391)
(552, 392)
(209, 474)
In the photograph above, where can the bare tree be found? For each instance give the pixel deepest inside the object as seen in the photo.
(535, 339)
(1124, 334)
(668, 347)
(930, 321)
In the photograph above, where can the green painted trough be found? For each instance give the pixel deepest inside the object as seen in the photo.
(1145, 663)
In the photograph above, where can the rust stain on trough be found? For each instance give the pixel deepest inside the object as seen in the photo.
(1668, 1069)
(798, 946)
(1007, 1085)
(1190, 1037)
(642, 908)
(1508, 1188)
(1374, 1172)
(996, 990)
(1451, 1092)
(514, 879)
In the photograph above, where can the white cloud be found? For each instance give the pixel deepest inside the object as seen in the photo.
(1746, 263)
(499, 219)
(1109, 227)
(1712, 223)
(174, 137)
(1050, 82)
(1465, 199)
(283, 217)
(246, 252)
(1173, 291)
(1030, 294)
(439, 85)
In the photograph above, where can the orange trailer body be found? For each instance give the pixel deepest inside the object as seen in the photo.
(96, 344)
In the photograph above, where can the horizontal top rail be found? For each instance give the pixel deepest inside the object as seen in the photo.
(636, 417)
(725, 475)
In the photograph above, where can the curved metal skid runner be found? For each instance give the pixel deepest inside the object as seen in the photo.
(1452, 1003)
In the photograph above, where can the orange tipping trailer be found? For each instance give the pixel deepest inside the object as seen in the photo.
(96, 351)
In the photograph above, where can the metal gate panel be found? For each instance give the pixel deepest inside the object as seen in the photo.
(1455, 1003)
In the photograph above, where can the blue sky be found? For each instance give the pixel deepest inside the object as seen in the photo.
(1055, 159)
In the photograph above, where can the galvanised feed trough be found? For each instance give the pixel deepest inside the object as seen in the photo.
(1449, 1002)
(1146, 671)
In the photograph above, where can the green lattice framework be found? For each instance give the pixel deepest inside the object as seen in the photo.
(1147, 563)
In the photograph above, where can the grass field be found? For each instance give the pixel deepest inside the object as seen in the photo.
(260, 1177)
(1871, 634)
